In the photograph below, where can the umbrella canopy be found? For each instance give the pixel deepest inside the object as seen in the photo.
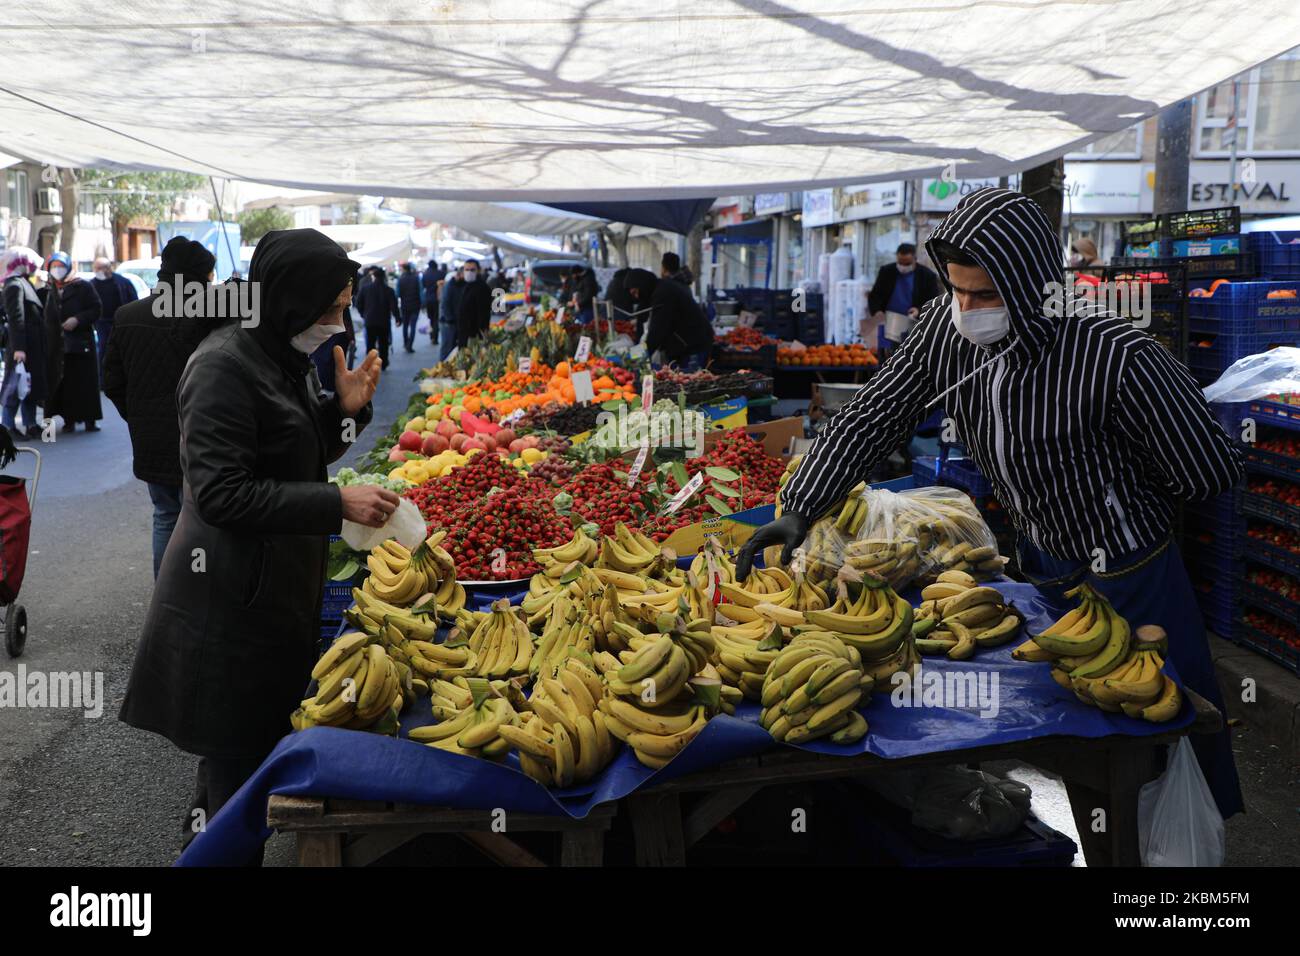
(574, 102)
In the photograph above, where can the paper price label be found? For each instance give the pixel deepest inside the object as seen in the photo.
(583, 352)
(514, 416)
(680, 498)
(582, 389)
(529, 320)
(637, 465)
(525, 364)
(647, 392)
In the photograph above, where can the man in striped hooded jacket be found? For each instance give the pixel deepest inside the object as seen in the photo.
(1089, 431)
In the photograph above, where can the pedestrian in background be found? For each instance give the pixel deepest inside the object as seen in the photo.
(676, 325)
(474, 310)
(71, 310)
(408, 300)
(377, 304)
(146, 355)
(25, 343)
(670, 267)
(900, 289)
(431, 282)
(114, 291)
(585, 291)
(452, 289)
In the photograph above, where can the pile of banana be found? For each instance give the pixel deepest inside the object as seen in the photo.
(358, 687)
(480, 710)
(877, 623)
(405, 578)
(567, 632)
(712, 560)
(965, 616)
(812, 690)
(773, 595)
(1095, 656)
(631, 552)
(742, 654)
(564, 739)
(581, 548)
(575, 580)
(501, 643)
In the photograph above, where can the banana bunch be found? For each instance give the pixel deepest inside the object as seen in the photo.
(1095, 656)
(742, 654)
(852, 513)
(656, 668)
(358, 687)
(578, 581)
(876, 623)
(654, 736)
(426, 659)
(567, 632)
(964, 616)
(768, 594)
(630, 552)
(721, 564)
(696, 600)
(581, 548)
(564, 738)
(501, 644)
(812, 690)
(474, 729)
(401, 578)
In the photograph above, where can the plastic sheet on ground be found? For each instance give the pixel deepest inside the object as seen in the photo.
(328, 762)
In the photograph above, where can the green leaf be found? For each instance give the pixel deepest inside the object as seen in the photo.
(345, 570)
(722, 474)
(680, 475)
(620, 475)
(717, 505)
(612, 405)
(724, 489)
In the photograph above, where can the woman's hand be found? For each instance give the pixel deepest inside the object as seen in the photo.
(19, 356)
(369, 505)
(356, 387)
(70, 324)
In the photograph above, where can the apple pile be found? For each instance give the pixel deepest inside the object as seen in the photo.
(432, 446)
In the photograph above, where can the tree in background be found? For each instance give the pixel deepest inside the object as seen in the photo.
(133, 195)
(256, 223)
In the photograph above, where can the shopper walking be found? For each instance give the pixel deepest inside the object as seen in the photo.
(114, 291)
(1090, 432)
(453, 287)
(474, 310)
(431, 282)
(378, 307)
(226, 653)
(408, 300)
(901, 288)
(142, 367)
(676, 325)
(25, 346)
(71, 310)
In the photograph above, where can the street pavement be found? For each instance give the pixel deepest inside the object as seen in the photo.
(92, 791)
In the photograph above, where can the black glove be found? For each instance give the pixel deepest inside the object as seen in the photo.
(789, 530)
(7, 450)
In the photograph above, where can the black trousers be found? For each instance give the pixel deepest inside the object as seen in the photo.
(378, 337)
(216, 782)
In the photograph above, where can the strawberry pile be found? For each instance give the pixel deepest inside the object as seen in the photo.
(1282, 538)
(1273, 627)
(1283, 585)
(1283, 491)
(602, 497)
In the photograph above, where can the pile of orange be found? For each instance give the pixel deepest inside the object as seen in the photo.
(537, 387)
(856, 354)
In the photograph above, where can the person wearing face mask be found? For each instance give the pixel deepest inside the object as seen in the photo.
(474, 310)
(452, 288)
(229, 644)
(25, 343)
(1090, 432)
(114, 291)
(901, 288)
(1083, 254)
(146, 355)
(71, 310)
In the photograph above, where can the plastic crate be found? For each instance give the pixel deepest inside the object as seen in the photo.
(1276, 650)
(1223, 265)
(1277, 254)
(810, 328)
(962, 473)
(760, 358)
(1258, 596)
(1279, 414)
(779, 327)
(1260, 461)
(925, 471)
(1243, 311)
(1200, 223)
(1270, 509)
(1034, 844)
(1279, 559)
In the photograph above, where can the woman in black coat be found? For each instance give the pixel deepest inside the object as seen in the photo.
(232, 633)
(25, 321)
(71, 310)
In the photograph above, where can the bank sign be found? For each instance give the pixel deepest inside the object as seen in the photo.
(942, 195)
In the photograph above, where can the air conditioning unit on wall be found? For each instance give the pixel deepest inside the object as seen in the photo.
(48, 202)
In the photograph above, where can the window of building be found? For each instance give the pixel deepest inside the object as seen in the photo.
(20, 197)
(1268, 112)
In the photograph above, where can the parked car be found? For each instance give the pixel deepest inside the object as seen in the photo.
(144, 269)
(547, 275)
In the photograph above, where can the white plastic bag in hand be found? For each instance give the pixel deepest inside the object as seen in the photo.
(24, 380)
(1178, 821)
(406, 524)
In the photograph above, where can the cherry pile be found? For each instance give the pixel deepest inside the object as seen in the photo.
(1283, 491)
(1283, 585)
(1270, 534)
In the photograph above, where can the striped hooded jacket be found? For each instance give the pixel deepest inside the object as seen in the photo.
(1088, 429)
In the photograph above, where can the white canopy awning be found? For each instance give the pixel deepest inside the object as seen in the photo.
(482, 217)
(569, 100)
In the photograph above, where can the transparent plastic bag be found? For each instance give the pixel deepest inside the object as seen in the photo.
(406, 524)
(1178, 821)
(1256, 376)
(903, 537)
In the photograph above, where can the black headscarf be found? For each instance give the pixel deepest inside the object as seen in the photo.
(299, 273)
(644, 281)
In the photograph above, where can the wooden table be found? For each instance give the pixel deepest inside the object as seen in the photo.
(1102, 776)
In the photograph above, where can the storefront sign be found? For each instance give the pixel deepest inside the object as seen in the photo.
(872, 200)
(818, 207)
(1102, 188)
(942, 195)
(1263, 186)
(768, 204)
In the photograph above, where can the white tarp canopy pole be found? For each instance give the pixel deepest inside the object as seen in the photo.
(483, 217)
(569, 100)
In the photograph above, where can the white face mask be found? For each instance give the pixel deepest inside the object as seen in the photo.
(471, 275)
(58, 273)
(981, 326)
(312, 339)
(101, 273)
(906, 269)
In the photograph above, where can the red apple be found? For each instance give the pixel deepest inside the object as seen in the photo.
(458, 440)
(471, 443)
(435, 444)
(409, 441)
(504, 437)
(396, 454)
(446, 428)
(517, 445)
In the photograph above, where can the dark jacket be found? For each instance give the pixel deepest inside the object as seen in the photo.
(429, 279)
(114, 292)
(408, 291)
(678, 326)
(452, 290)
(229, 644)
(586, 289)
(142, 366)
(377, 303)
(473, 312)
(25, 318)
(76, 299)
(924, 288)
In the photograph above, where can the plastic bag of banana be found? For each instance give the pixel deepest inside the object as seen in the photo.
(964, 616)
(1094, 655)
(402, 578)
(903, 536)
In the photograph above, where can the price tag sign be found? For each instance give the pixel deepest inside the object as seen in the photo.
(514, 416)
(525, 364)
(529, 320)
(583, 352)
(582, 390)
(680, 498)
(637, 465)
(647, 392)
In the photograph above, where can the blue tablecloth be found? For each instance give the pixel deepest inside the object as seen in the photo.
(326, 761)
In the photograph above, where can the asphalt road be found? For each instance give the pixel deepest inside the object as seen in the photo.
(91, 791)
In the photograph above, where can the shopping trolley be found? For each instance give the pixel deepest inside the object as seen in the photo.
(17, 501)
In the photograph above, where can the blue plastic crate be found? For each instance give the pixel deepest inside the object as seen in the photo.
(1278, 414)
(925, 470)
(1034, 844)
(1267, 645)
(1243, 311)
(1277, 254)
(1260, 461)
(964, 474)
